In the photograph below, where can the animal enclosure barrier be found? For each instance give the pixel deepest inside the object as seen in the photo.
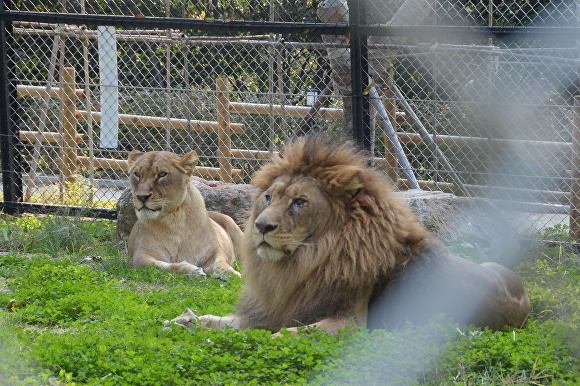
(70, 140)
(481, 98)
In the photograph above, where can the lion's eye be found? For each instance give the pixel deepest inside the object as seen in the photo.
(267, 199)
(161, 174)
(298, 202)
(137, 174)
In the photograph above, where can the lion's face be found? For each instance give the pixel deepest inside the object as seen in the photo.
(159, 181)
(291, 212)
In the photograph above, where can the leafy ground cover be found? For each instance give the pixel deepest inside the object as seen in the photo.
(72, 311)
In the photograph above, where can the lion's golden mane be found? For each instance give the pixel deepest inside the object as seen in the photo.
(369, 235)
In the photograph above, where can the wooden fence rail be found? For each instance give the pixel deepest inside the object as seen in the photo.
(69, 139)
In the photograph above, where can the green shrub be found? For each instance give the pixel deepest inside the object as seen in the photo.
(57, 235)
(536, 354)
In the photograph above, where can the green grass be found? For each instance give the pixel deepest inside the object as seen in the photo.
(80, 314)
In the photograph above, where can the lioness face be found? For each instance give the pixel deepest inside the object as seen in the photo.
(159, 181)
(290, 213)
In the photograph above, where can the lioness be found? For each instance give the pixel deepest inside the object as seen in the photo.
(173, 229)
(327, 238)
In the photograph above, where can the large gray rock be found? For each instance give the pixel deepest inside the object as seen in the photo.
(454, 220)
(235, 200)
(459, 219)
(126, 216)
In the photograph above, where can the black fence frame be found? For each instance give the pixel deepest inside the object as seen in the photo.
(357, 28)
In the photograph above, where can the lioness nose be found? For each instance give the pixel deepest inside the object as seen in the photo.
(265, 227)
(143, 197)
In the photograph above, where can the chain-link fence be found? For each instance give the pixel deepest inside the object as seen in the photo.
(473, 98)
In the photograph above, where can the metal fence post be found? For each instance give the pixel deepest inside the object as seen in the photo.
(9, 131)
(224, 152)
(575, 185)
(361, 127)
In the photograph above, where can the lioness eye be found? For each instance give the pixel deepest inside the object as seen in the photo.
(137, 174)
(161, 174)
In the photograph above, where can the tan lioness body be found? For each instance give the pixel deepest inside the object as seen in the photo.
(327, 240)
(173, 229)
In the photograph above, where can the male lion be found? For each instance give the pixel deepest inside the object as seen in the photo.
(326, 236)
(173, 229)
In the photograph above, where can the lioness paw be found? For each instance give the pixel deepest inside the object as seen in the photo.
(232, 271)
(223, 268)
(195, 271)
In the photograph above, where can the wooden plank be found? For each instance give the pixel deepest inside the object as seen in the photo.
(224, 153)
(516, 194)
(40, 91)
(251, 154)
(474, 142)
(122, 165)
(47, 137)
(69, 124)
(161, 122)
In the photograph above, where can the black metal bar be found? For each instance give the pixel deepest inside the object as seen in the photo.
(422, 31)
(361, 129)
(442, 31)
(9, 136)
(179, 23)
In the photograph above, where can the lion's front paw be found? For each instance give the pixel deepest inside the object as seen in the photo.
(186, 318)
(291, 331)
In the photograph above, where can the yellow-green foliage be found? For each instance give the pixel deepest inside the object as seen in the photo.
(76, 192)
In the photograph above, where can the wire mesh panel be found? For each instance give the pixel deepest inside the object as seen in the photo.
(485, 108)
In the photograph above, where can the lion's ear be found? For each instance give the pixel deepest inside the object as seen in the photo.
(189, 162)
(133, 157)
(346, 180)
(353, 186)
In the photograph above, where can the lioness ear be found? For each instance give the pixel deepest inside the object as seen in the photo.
(133, 157)
(189, 162)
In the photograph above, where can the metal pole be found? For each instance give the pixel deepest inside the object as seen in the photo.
(9, 135)
(361, 127)
(394, 140)
(88, 105)
(428, 140)
(575, 184)
(168, 96)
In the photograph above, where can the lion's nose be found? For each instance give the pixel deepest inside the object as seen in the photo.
(143, 197)
(265, 227)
